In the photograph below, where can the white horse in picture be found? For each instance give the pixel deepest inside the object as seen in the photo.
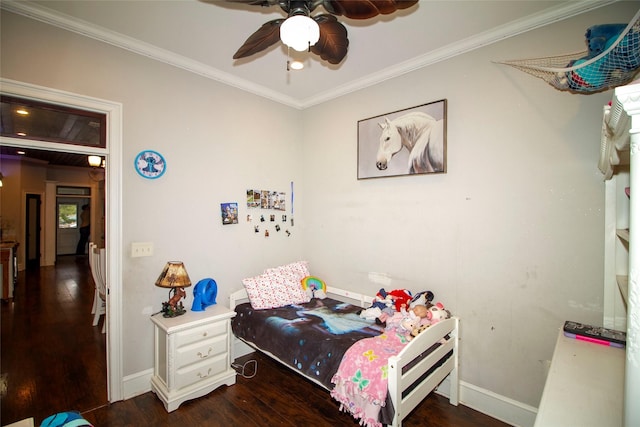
(419, 133)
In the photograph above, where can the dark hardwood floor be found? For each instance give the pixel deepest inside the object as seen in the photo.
(53, 360)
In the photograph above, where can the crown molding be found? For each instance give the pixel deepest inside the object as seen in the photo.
(57, 19)
(66, 22)
(514, 28)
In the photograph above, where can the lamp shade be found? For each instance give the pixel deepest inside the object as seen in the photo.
(299, 32)
(174, 275)
(94, 161)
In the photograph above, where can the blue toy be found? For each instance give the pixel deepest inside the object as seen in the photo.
(204, 294)
(66, 419)
(623, 57)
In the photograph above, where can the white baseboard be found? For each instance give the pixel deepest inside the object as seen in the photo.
(494, 405)
(136, 384)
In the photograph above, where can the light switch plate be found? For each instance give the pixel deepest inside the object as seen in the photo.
(139, 249)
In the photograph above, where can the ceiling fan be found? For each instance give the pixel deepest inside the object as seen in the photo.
(328, 37)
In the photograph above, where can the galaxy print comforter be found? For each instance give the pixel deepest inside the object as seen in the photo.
(311, 337)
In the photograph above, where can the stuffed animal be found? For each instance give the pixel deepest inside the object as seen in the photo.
(416, 331)
(437, 313)
(401, 298)
(421, 298)
(622, 58)
(416, 318)
(433, 315)
(314, 287)
(386, 304)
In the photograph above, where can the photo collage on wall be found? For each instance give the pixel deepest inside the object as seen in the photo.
(267, 212)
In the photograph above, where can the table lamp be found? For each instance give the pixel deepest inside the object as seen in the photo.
(174, 276)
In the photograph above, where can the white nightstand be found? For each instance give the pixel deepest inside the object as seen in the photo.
(192, 355)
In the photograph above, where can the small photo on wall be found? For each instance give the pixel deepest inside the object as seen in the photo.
(253, 198)
(229, 212)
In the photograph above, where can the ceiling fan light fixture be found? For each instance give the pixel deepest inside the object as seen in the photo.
(299, 32)
(297, 65)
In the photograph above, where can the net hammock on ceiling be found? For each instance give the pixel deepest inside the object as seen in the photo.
(612, 59)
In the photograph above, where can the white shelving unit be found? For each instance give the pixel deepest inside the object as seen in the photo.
(620, 164)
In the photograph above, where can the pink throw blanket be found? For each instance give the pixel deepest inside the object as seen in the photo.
(361, 380)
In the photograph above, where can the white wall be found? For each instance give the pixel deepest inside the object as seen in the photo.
(510, 238)
(218, 141)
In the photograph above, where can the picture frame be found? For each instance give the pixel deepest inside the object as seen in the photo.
(411, 141)
(229, 213)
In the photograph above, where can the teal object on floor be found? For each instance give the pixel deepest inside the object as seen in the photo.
(66, 419)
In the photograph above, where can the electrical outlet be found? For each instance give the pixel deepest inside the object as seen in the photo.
(139, 249)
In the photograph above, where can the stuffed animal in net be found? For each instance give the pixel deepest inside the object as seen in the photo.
(621, 58)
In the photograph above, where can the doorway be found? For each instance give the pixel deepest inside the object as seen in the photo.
(69, 223)
(33, 228)
(112, 205)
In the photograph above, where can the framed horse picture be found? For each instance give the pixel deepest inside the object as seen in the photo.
(405, 142)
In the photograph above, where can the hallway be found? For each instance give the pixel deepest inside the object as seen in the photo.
(52, 359)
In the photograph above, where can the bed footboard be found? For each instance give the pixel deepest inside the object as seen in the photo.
(412, 376)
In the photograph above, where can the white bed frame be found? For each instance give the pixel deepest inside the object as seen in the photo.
(445, 331)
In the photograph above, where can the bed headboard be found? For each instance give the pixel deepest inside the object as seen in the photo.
(354, 298)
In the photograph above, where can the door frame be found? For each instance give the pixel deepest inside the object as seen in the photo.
(113, 205)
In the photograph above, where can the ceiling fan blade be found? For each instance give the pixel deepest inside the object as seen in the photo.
(364, 9)
(333, 42)
(264, 3)
(266, 35)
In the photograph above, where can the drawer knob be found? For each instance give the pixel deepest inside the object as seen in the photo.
(204, 334)
(205, 376)
(202, 356)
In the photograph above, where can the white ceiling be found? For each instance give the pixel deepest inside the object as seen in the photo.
(202, 36)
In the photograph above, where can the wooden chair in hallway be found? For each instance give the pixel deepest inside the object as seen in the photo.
(97, 265)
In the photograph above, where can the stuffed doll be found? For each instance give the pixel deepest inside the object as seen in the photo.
(401, 298)
(381, 307)
(416, 318)
(433, 315)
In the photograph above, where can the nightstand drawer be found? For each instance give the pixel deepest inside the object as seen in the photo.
(201, 333)
(205, 370)
(201, 351)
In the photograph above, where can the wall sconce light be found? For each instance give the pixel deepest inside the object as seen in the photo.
(175, 277)
(94, 161)
(1, 177)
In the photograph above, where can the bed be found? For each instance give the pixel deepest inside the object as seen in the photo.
(412, 373)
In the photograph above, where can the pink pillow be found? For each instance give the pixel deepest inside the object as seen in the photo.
(289, 277)
(265, 293)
